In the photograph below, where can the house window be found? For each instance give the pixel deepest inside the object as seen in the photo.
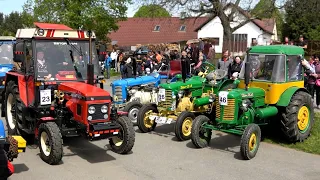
(182, 28)
(156, 28)
(215, 41)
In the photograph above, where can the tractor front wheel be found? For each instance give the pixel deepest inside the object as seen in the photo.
(298, 117)
(200, 136)
(133, 108)
(250, 141)
(183, 126)
(145, 124)
(123, 143)
(50, 140)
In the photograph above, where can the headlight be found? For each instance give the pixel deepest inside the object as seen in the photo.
(91, 110)
(180, 94)
(104, 109)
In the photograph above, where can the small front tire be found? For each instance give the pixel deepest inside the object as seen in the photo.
(144, 123)
(250, 141)
(200, 136)
(183, 126)
(50, 139)
(124, 142)
(132, 109)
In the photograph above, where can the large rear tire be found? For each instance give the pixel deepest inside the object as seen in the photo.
(144, 123)
(133, 109)
(13, 108)
(50, 139)
(124, 142)
(183, 126)
(298, 117)
(200, 136)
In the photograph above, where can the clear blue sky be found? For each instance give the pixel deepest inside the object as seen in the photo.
(7, 6)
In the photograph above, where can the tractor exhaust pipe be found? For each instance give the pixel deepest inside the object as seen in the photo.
(247, 70)
(90, 67)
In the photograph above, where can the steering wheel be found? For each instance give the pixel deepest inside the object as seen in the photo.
(203, 74)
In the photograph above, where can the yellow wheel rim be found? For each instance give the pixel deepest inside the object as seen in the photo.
(186, 126)
(303, 118)
(147, 121)
(252, 142)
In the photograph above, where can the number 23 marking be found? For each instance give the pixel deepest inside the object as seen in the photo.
(45, 99)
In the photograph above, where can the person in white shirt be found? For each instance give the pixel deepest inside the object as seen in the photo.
(114, 56)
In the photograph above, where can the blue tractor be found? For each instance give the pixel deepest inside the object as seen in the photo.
(6, 55)
(131, 93)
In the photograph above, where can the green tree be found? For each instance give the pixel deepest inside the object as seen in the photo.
(267, 9)
(98, 15)
(10, 23)
(302, 18)
(152, 11)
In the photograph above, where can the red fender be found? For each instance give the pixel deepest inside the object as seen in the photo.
(42, 120)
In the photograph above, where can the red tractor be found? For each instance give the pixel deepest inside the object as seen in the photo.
(57, 91)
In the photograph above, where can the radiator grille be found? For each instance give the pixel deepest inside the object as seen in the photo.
(227, 111)
(168, 101)
(118, 93)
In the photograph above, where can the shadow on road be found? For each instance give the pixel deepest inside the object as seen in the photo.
(166, 130)
(87, 150)
(18, 168)
(223, 142)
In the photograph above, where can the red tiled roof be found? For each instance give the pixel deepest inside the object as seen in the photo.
(141, 30)
(52, 26)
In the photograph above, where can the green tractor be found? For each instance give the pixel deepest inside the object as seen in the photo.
(270, 89)
(181, 101)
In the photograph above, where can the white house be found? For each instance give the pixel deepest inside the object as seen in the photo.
(263, 31)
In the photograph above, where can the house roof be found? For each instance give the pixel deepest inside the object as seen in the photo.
(266, 25)
(52, 26)
(141, 30)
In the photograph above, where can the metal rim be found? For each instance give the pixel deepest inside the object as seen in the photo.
(10, 111)
(45, 143)
(303, 119)
(147, 121)
(186, 126)
(118, 140)
(132, 114)
(252, 142)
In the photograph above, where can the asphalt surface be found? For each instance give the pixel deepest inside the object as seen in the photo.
(157, 155)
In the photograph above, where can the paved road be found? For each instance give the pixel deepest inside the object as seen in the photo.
(158, 155)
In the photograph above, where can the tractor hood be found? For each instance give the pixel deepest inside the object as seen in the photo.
(192, 83)
(242, 93)
(4, 68)
(86, 90)
(136, 81)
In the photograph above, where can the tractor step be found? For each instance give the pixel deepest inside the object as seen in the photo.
(70, 132)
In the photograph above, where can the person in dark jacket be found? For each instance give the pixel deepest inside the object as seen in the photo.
(235, 66)
(128, 69)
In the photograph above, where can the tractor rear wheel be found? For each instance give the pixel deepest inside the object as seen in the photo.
(123, 143)
(133, 108)
(50, 140)
(298, 117)
(145, 124)
(183, 126)
(13, 108)
(200, 136)
(250, 141)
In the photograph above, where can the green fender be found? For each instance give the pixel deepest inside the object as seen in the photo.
(286, 95)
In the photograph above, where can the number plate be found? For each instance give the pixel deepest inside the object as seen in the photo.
(45, 97)
(162, 94)
(223, 98)
(69, 76)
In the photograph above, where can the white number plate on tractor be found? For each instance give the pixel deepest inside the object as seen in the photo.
(162, 94)
(223, 98)
(161, 120)
(45, 97)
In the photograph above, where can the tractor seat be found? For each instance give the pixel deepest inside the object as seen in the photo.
(175, 68)
(219, 74)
